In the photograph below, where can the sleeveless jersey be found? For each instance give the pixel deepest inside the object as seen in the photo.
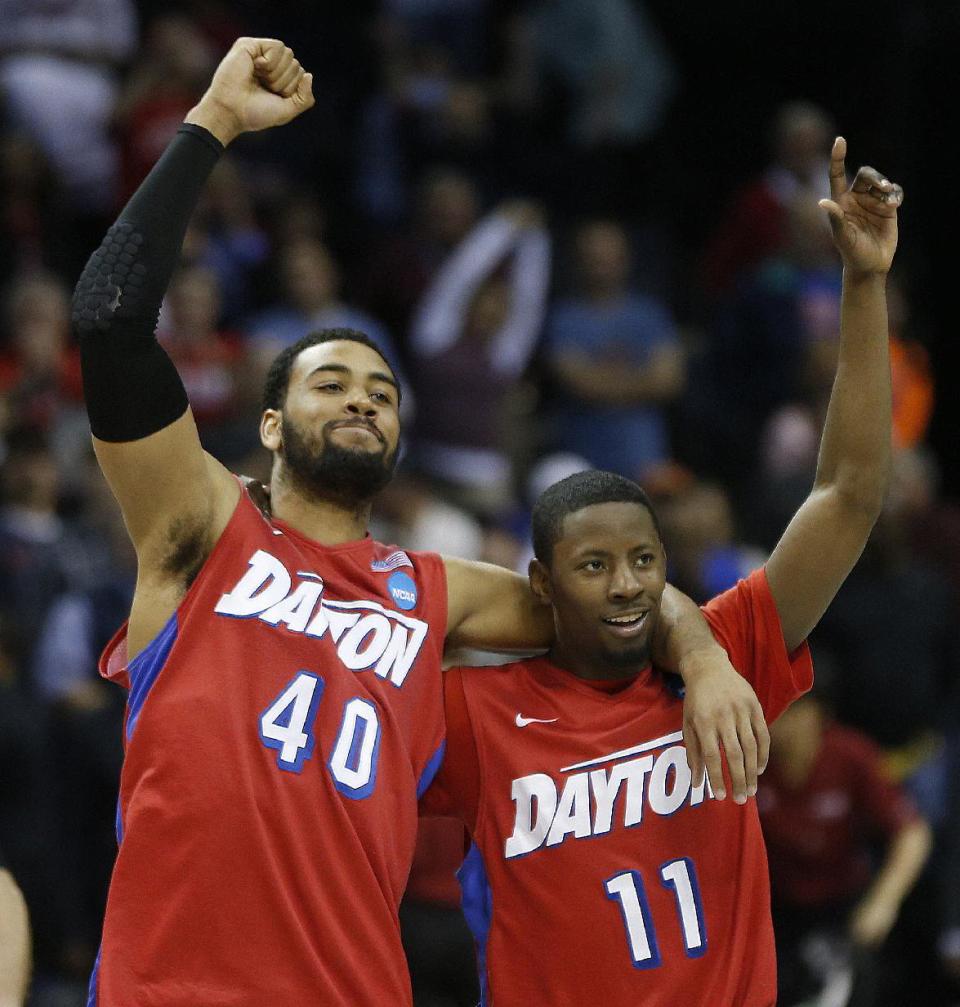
(599, 874)
(278, 733)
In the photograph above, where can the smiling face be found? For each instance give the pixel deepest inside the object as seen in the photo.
(604, 582)
(338, 430)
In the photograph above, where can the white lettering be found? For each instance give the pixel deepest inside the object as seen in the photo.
(294, 610)
(664, 801)
(605, 790)
(351, 650)
(529, 833)
(265, 583)
(634, 772)
(573, 811)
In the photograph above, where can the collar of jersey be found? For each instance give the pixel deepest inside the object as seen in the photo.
(354, 545)
(552, 675)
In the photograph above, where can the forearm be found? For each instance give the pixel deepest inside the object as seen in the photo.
(682, 633)
(855, 450)
(130, 386)
(14, 944)
(904, 861)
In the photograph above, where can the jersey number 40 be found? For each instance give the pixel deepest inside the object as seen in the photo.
(287, 726)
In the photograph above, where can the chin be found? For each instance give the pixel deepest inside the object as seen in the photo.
(637, 655)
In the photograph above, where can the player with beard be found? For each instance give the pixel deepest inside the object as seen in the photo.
(285, 706)
(596, 855)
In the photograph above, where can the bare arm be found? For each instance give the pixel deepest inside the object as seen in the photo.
(877, 911)
(175, 499)
(14, 943)
(491, 608)
(828, 533)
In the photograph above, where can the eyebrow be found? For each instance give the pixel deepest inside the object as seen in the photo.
(372, 375)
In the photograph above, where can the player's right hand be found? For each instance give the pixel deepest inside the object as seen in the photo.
(258, 84)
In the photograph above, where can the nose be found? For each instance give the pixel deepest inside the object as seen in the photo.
(360, 404)
(625, 585)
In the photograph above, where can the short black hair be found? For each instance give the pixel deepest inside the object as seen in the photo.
(582, 489)
(278, 377)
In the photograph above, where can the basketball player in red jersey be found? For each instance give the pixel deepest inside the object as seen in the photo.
(601, 872)
(285, 705)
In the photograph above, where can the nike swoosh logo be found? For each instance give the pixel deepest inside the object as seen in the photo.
(522, 721)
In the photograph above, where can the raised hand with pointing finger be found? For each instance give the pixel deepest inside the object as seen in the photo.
(864, 216)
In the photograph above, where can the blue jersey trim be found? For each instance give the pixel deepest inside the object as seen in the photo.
(145, 667)
(431, 769)
(477, 902)
(94, 975)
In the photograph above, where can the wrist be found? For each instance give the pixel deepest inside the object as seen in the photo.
(866, 280)
(697, 661)
(216, 118)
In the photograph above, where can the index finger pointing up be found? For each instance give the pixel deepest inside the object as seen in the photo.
(838, 171)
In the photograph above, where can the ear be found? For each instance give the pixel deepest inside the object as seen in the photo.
(271, 429)
(540, 582)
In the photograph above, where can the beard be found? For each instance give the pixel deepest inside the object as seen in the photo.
(351, 476)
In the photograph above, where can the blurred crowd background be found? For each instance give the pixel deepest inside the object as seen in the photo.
(585, 233)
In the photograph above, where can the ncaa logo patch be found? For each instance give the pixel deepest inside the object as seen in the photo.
(402, 590)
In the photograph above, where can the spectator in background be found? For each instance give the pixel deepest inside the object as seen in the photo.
(824, 800)
(225, 238)
(309, 280)
(28, 206)
(705, 556)
(40, 382)
(781, 328)
(894, 612)
(168, 78)
(32, 570)
(913, 388)
(471, 340)
(86, 714)
(756, 225)
(404, 262)
(211, 362)
(615, 77)
(616, 359)
(58, 76)
(27, 822)
(14, 941)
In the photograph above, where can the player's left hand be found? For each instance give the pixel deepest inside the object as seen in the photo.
(721, 713)
(863, 217)
(871, 921)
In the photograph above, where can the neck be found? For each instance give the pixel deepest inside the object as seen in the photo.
(325, 520)
(594, 668)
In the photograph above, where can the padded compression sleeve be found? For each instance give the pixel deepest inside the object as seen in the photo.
(130, 385)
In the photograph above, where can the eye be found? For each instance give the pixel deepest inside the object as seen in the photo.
(646, 559)
(592, 565)
(329, 386)
(381, 397)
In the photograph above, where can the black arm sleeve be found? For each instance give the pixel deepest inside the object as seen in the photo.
(131, 387)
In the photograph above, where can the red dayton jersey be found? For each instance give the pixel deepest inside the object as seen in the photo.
(278, 733)
(599, 874)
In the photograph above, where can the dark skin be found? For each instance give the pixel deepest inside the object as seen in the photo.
(604, 585)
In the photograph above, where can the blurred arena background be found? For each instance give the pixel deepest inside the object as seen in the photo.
(586, 232)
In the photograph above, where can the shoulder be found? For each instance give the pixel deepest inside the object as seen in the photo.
(850, 746)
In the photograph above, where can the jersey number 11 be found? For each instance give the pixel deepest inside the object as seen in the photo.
(627, 889)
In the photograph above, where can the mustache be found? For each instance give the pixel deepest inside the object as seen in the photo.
(366, 424)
